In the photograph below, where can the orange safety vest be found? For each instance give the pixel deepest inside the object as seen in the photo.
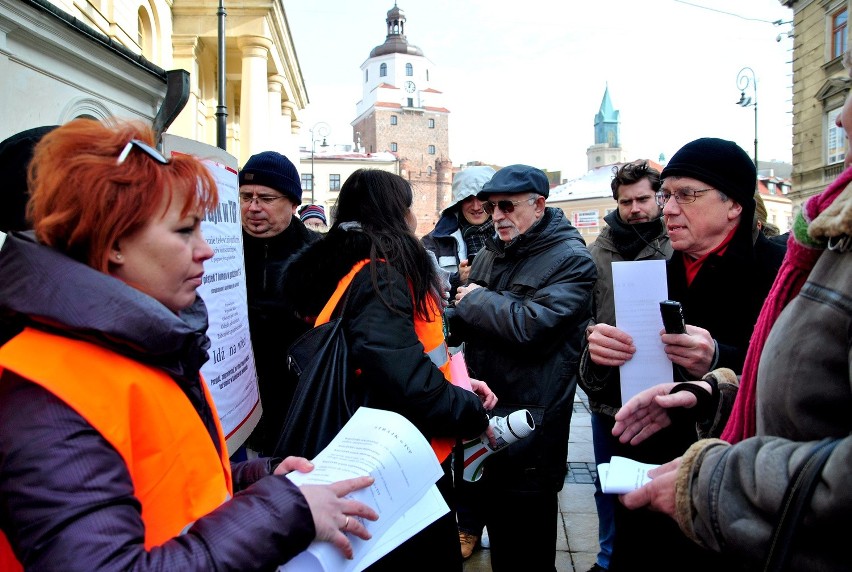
(178, 476)
(430, 334)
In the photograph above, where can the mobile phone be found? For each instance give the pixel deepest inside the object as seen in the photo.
(672, 313)
(470, 259)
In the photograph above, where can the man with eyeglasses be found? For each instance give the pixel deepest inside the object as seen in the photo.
(721, 271)
(522, 319)
(270, 193)
(633, 231)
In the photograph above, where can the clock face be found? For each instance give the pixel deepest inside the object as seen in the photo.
(410, 87)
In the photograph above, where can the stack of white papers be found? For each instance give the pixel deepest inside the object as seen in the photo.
(622, 475)
(388, 447)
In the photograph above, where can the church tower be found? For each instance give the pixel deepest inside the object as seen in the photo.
(401, 111)
(607, 148)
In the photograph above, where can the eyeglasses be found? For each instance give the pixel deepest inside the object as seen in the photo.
(505, 206)
(248, 198)
(145, 148)
(683, 197)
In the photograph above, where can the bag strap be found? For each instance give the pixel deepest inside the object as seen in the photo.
(796, 499)
(342, 288)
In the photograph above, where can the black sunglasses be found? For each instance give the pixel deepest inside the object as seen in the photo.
(145, 148)
(505, 206)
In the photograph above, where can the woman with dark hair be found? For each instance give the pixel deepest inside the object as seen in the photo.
(111, 452)
(394, 331)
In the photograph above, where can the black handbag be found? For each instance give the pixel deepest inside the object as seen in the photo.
(319, 359)
(796, 499)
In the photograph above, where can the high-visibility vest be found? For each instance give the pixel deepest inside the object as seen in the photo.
(429, 332)
(177, 474)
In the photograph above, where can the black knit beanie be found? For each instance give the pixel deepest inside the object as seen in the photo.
(275, 171)
(720, 164)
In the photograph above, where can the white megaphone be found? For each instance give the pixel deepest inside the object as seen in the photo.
(507, 430)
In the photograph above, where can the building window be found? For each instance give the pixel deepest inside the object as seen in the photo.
(307, 182)
(334, 182)
(427, 75)
(431, 124)
(838, 32)
(393, 147)
(393, 119)
(383, 70)
(835, 139)
(409, 70)
(431, 149)
(410, 102)
(145, 34)
(366, 76)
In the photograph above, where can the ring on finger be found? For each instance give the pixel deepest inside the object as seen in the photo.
(345, 524)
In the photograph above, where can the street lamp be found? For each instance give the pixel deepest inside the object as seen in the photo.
(318, 133)
(743, 82)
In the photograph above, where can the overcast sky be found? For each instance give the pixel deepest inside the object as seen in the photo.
(523, 80)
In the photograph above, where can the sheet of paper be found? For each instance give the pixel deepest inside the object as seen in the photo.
(622, 475)
(387, 446)
(638, 288)
(427, 510)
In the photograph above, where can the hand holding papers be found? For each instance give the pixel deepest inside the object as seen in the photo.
(638, 288)
(622, 475)
(388, 447)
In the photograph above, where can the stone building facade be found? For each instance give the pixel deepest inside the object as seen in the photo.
(820, 86)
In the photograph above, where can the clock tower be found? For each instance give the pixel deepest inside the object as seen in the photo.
(401, 111)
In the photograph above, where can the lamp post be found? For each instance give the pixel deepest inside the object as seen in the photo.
(743, 83)
(318, 133)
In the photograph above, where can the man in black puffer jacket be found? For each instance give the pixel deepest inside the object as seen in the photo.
(523, 318)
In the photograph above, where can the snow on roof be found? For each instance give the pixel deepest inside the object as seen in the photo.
(594, 184)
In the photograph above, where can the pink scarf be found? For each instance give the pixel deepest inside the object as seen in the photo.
(802, 254)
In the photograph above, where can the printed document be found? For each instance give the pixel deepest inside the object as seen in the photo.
(388, 447)
(622, 475)
(638, 288)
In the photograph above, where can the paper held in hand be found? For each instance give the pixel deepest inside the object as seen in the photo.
(622, 475)
(638, 287)
(387, 446)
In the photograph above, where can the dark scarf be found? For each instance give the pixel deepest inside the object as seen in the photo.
(630, 239)
(475, 234)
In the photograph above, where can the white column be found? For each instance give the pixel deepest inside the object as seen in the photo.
(292, 129)
(254, 96)
(279, 135)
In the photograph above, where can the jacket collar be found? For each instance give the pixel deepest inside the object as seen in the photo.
(48, 290)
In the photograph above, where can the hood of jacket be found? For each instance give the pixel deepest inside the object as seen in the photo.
(468, 182)
(44, 288)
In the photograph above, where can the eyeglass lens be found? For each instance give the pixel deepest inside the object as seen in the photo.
(505, 206)
(260, 199)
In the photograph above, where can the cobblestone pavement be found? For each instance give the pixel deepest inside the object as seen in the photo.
(577, 523)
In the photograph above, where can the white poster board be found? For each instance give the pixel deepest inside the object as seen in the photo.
(230, 372)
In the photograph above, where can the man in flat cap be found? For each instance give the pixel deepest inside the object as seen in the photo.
(522, 318)
(721, 271)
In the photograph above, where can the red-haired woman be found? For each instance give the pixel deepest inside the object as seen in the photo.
(111, 453)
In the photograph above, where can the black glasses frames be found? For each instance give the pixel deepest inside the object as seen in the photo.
(145, 148)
